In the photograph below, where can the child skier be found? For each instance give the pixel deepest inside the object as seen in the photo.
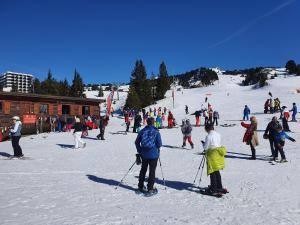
(170, 120)
(78, 127)
(246, 113)
(294, 112)
(280, 137)
(186, 129)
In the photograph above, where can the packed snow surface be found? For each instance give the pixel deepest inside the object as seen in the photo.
(60, 185)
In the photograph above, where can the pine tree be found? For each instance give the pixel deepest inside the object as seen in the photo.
(63, 88)
(37, 86)
(141, 86)
(77, 87)
(291, 67)
(101, 93)
(163, 83)
(50, 85)
(133, 100)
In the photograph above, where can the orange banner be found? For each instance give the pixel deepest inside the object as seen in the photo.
(28, 119)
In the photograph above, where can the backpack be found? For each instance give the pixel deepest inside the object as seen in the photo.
(148, 138)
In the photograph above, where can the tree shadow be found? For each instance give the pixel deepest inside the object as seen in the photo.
(4, 154)
(109, 182)
(66, 146)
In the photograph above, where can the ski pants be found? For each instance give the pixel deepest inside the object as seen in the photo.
(15, 144)
(285, 124)
(215, 181)
(77, 138)
(197, 121)
(272, 146)
(246, 117)
(294, 117)
(215, 121)
(279, 148)
(188, 138)
(253, 151)
(127, 126)
(151, 178)
(101, 135)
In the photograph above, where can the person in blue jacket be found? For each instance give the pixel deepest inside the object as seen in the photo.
(148, 143)
(280, 137)
(294, 112)
(246, 113)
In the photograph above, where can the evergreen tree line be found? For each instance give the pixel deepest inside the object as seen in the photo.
(255, 76)
(292, 67)
(51, 86)
(205, 75)
(144, 92)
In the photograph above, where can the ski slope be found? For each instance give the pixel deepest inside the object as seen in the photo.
(61, 185)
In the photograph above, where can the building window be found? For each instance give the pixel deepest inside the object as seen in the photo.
(66, 109)
(44, 108)
(85, 110)
(1, 107)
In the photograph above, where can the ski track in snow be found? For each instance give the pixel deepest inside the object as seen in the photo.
(64, 186)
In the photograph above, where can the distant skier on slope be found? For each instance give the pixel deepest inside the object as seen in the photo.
(294, 112)
(246, 113)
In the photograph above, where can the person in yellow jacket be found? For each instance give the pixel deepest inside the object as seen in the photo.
(215, 154)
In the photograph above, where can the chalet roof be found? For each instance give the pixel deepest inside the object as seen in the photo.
(25, 96)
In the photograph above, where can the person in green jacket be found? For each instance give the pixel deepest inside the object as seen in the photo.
(215, 161)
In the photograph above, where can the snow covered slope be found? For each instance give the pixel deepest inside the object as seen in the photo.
(65, 186)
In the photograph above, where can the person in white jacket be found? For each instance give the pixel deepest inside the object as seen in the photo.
(15, 133)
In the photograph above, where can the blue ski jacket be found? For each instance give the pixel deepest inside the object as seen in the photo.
(151, 134)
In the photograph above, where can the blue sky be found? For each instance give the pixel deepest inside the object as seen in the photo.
(102, 39)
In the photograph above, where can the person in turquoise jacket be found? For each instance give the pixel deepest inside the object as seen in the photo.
(280, 137)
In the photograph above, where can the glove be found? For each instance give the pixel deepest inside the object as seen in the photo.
(203, 142)
(292, 139)
(138, 160)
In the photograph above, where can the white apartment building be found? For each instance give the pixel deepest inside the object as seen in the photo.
(19, 82)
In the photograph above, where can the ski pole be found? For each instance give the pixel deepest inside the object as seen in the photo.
(125, 175)
(198, 170)
(162, 174)
(202, 170)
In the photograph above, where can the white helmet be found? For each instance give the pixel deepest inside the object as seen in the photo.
(16, 118)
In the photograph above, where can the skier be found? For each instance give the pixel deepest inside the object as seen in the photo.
(127, 120)
(294, 110)
(148, 143)
(102, 124)
(186, 129)
(214, 154)
(197, 115)
(186, 109)
(163, 118)
(285, 119)
(270, 134)
(170, 120)
(158, 121)
(246, 113)
(250, 136)
(271, 106)
(205, 115)
(277, 105)
(77, 133)
(280, 137)
(137, 123)
(266, 106)
(15, 133)
(216, 117)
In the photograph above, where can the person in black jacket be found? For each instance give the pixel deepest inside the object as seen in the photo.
(77, 133)
(137, 123)
(270, 133)
(102, 124)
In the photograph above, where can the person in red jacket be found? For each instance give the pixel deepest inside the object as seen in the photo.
(250, 136)
(170, 120)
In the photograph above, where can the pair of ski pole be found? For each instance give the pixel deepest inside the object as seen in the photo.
(201, 167)
(133, 166)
